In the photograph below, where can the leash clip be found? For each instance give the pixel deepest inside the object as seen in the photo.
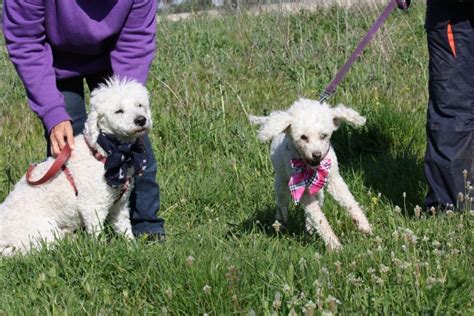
(324, 96)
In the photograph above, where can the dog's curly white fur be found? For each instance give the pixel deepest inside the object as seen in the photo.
(31, 215)
(304, 131)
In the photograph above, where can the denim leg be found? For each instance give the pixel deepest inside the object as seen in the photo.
(145, 199)
(73, 93)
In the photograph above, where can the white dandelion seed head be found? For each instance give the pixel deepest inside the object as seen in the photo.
(207, 289)
(276, 226)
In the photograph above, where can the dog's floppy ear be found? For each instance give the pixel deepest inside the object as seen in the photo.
(272, 125)
(91, 129)
(342, 113)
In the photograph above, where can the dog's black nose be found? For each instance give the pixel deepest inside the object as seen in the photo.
(316, 156)
(140, 120)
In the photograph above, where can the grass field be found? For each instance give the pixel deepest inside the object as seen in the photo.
(222, 255)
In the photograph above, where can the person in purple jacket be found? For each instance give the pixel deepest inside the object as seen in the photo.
(57, 44)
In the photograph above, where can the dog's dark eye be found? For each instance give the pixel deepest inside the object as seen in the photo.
(119, 112)
(304, 137)
(324, 136)
(139, 105)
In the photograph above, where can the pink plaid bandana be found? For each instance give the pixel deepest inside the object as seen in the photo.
(304, 177)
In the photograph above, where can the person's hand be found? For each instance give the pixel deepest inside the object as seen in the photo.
(59, 136)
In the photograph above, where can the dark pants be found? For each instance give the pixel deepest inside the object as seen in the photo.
(145, 197)
(450, 123)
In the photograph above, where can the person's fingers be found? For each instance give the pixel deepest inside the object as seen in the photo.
(70, 136)
(60, 134)
(54, 146)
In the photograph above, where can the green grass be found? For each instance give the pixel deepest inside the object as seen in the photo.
(217, 190)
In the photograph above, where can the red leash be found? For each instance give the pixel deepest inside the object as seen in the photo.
(58, 164)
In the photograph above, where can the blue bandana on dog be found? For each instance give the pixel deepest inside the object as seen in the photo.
(121, 157)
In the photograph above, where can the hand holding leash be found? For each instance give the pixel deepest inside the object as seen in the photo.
(59, 136)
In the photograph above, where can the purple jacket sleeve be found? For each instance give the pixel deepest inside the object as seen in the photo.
(135, 47)
(25, 39)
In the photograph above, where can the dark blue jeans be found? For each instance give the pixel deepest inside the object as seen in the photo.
(450, 123)
(145, 197)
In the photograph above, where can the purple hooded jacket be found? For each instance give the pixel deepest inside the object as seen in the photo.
(57, 39)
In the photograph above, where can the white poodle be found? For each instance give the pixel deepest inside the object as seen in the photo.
(304, 162)
(32, 214)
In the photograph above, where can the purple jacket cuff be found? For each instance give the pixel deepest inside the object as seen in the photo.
(55, 116)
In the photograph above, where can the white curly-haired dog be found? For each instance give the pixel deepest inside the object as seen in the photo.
(304, 162)
(31, 215)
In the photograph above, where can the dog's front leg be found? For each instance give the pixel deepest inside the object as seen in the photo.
(93, 217)
(282, 194)
(315, 219)
(340, 192)
(119, 217)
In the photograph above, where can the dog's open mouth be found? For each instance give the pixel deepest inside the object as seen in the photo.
(140, 131)
(313, 163)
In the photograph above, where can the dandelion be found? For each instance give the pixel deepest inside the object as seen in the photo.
(430, 282)
(425, 238)
(232, 274)
(384, 269)
(277, 301)
(398, 210)
(302, 263)
(308, 308)
(371, 270)
(378, 280)
(357, 281)
(449, 213)
(338, 267)
(395, 235)
(369, 252)
(286, 289)
(316, 283)
(292, 312)
(324, 271)
(417, 211)
(302, 296)
(433, 210)
(169, 293)
(317, 256)
(409, 236)
(332, 303)
(276, 225)
(190, 261)
(378, 240)
(353, 264)
(206, 289)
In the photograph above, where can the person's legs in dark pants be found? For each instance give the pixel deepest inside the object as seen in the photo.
(450, 124)
(145, 197)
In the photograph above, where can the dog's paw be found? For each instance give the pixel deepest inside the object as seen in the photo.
(334, 246)
(364, 226)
